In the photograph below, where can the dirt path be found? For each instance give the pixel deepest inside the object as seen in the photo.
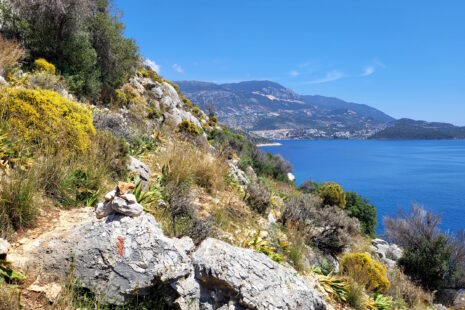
(23, 252)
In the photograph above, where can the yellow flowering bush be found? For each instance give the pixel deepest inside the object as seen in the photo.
(332, 194)
(187, 126)
(42, 65)
(364, 270)
(43, 117)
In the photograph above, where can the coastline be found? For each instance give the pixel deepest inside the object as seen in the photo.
(268, 144)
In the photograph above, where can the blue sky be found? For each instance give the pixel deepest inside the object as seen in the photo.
(406, 58)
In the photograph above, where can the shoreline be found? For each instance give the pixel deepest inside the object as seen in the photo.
(268, 144)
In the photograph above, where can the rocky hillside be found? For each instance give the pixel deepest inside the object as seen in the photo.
(120, 193)
(274, 111)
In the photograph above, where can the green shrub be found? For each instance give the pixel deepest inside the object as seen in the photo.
(365, 271)
(360, 208)
(332, 194)
(429, 262)
(430, 257)
(44, 118)
(81, 187)
(43, 65)
(335, 228)
(258, 197)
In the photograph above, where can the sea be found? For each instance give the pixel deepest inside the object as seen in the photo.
(391, 174)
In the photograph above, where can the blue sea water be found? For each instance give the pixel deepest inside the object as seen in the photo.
(391, 174)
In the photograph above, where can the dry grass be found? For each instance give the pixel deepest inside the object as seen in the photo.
(402, 287)
(9, 297)
(10, 53)
(187, 163)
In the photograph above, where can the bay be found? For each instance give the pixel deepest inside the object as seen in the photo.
(391, 174)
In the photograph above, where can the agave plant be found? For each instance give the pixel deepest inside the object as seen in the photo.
(379, 302)
(147, 198)
(336, 287)
(264, 247)
(9, 274)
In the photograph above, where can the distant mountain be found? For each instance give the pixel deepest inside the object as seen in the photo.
(274, 111)
(408, 129)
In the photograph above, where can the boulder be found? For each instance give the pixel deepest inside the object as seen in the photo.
(141, 170)
(4, 247)
(242, 278)
(120, 257)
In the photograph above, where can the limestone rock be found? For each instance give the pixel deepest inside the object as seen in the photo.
(237, 173)
(110, 195)
(3, 81)
(119, 257)
(51, 290)
(122, 206)
(389, 253)
(242, 278)
(141, 170)
(439, 307)
(129, 198)
(4, 247)
(104, 209)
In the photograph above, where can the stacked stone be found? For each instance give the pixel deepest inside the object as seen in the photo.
(119, 201)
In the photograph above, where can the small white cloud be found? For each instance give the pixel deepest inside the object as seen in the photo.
(294, 73)
(329, 77)
(152, 64)
(369, 70)
(178, 68)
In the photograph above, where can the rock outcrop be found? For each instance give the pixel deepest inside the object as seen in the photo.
(140, 169)
(237, 173)
(388, 253)
(242, 278)
(119, 257)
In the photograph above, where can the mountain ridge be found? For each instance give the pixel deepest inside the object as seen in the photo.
(267, 108)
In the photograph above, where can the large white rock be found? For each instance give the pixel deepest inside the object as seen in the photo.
(119, 257)
(246, 279)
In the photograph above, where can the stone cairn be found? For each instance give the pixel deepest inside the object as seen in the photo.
(119, 201)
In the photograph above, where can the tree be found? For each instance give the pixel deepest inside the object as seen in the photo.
(360, 208)
(430, 257)
(83, 38)
(117, 56)
(430, 262)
